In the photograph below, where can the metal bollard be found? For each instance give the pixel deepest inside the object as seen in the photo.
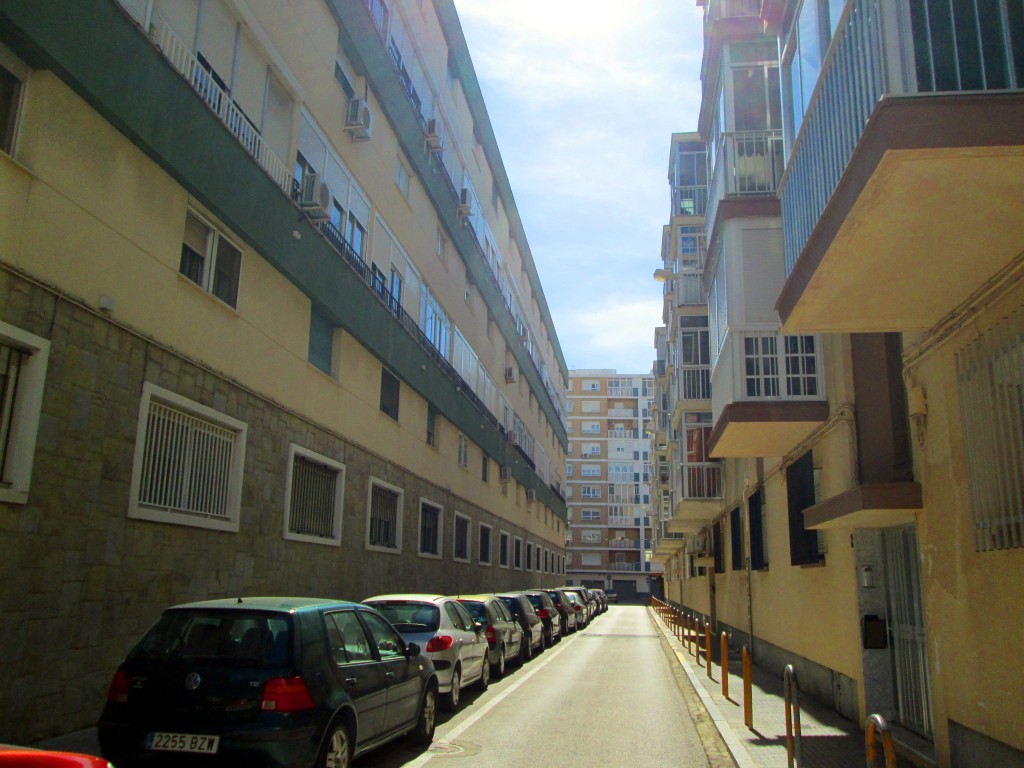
(748, 690)
(789, 682)
(707, 647)
(876, 723)
(724, 648)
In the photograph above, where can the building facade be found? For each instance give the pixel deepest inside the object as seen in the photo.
(608, 472)
(269, 324)
(864, 290)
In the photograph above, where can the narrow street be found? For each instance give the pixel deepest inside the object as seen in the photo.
(605, 696)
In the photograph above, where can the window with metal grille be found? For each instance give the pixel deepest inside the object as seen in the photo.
(517, 553)
(484, 548)
(188, 463)
(801, 366)
(461, 543)
(761, 365)
(23, 362)
(210, 260)
(503, 553)
(315, 496)
(384, 526)
(990, 373)
(430, 529)
(463, 451)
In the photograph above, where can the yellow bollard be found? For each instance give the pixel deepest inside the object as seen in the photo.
(725, 664)
(748, 691)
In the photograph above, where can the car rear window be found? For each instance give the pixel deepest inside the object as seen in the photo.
(408, 616)
(253, 638)
(513, 605)
(535, 600)
(475, 609)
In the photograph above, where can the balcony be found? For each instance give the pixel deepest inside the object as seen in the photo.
(749, 165)
(898, 168)
(768, 394)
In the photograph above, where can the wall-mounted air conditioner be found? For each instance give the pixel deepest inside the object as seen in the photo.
(510, 375)
(315, 200)
(359, 119)
(433, 136)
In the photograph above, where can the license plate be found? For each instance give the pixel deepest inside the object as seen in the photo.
(182, 742)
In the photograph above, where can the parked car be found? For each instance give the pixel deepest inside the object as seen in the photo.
(533, 629)
(612, 595)
(602, 601)
(595, 609)
(565, 610)
(27, 757)
(547, 613)
(449, 635)
(503, 633)
(588, 603)
(273, 681)
(579, 608)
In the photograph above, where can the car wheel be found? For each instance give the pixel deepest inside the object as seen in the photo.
(337, 753)
(423, 733)
(546, 638)
(525, 649)
(499, 668)
(451, 699)
(485, 674)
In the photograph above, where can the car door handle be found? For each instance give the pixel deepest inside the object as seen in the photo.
(350, 681)
(389, 675)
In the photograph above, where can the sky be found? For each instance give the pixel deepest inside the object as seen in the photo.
(583, 97)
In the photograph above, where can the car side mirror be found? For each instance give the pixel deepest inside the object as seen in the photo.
(478, 627)
(412, 650)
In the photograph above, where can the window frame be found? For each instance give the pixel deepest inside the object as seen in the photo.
(490, 544)
(136, 511)
(22, 428)
(389, 390)
(294, 451)
(376, 482)
(517, 553)
(468, 539)
(423, 501)
(211, 256)
(504, 549)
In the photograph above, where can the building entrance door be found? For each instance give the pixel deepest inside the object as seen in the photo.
(907, 630)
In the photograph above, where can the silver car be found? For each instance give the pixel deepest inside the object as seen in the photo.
(446, 633)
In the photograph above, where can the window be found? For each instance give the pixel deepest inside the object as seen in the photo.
(430, 529)
(431, 427)
(517, 554)
(484, 548)
(384, 637)
(315, 494)
(758, 525)
(402, 178)
(590, 406)
(210, 260)
(12, 74)
(503, 553)
(568, 470)
(803, 544)
(23, 362)
(761, 365)
(801, 366)
(590, 492)
(736, 538)
(591, 428)
(442, 246)
(529, 556)
(590, 537)
(991, 382)
(390, 388)
(717, 544)
(485, 467)
(463, 451)
(348, 640)
(384, 517)
(188, 463)
(590, 515)
(591, 470)
(460, 550)
(343, 81)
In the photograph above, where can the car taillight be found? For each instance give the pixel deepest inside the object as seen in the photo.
(491, 637)
(543, 613)
(286, 694)
(577, 608)
(439, 643)
(118, 691)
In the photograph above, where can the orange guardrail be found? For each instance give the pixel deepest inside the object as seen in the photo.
(748, 690)
(876, 724)
(792, 688)
(724, 643)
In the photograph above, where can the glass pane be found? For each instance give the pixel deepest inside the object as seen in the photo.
(225, 272)
(751, 108)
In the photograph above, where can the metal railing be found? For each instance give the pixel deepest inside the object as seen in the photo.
(876, 724)
(701, 480)
(731, 9)
(690, 201)
(694, 382)
(748, 163)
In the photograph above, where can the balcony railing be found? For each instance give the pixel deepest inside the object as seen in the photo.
(694, 382)
(748, 163)
(625, 434)
(619, 521)
(181, 58)
(623, 413)
(690, 201)
(701, 480)
(731, 9)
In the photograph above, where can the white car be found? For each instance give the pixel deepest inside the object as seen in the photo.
(447, 634)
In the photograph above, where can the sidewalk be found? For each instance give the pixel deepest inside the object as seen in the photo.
(828, 740)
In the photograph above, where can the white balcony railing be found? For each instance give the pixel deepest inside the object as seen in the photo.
(701, 480)
(769, 365)
(181, 58)
(694, 382)
(747, 163)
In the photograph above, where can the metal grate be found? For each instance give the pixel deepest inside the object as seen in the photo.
(430, 528)
(313, 499)
(186, 463)
(383, 517)
(990, 372)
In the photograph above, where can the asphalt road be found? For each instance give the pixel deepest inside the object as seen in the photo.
(607, 696)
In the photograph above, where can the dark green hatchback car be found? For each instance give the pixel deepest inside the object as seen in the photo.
(267, 681)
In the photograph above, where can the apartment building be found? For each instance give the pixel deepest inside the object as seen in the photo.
(269, 324)
(864, 290)
(608, 487)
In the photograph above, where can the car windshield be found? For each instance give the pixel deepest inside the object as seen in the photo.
(255, 638)
(410, 616)
(536, 600)
(476, 609)
(513, 605)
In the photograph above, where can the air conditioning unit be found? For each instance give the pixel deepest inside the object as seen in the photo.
(505, 474)
(359, 120)
(433, 136)
(465, 207)
(531, 495)
(510, 374)
(512, 438)
(316, 197)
